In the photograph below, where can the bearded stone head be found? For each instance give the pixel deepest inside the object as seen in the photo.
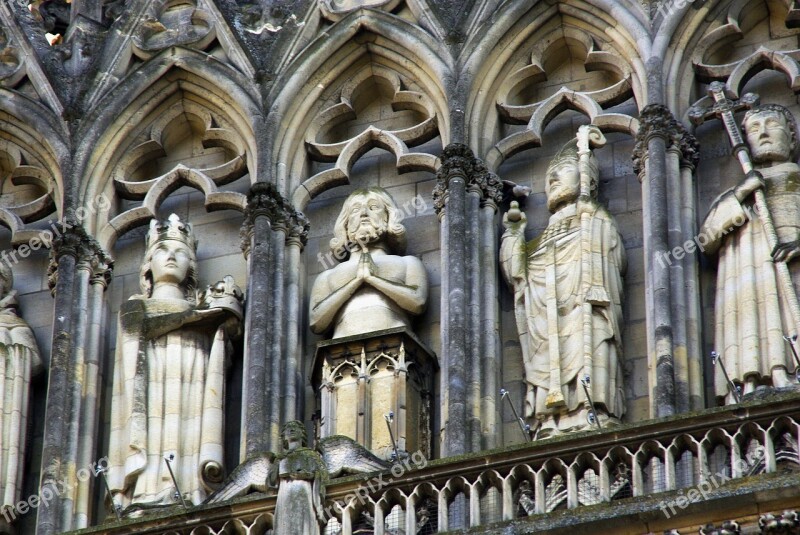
(368, 217)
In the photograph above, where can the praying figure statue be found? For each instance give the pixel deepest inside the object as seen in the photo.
(19, 362)
(377, 286)
(169, 377)
(567, 286)
(752, 312)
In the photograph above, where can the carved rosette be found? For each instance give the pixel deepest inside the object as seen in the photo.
(656, 120)
(459, 161)
(264, 200)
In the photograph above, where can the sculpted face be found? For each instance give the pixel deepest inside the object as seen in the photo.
(768, 137)
(170, 262)
(293, 434)
(563, 184)
(367, 219)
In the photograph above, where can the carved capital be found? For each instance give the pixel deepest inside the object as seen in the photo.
(656, 120)
(298, 229)
(76, 242)
(459, 161)
(102, 268)
(690, 148)
(488, 183)
(264, 200)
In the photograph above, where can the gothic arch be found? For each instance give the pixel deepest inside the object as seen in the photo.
(523, 40)
(34, 153)
(698, 36)
(201, 87)
(311, 86)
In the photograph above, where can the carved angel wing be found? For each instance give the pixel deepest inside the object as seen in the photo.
(344, 456)
(253, 474)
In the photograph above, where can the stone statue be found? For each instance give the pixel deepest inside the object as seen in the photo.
(341, 456)
(19, 361)
(377, 287)
(169, 377)
(567, 286)
(752, 314)
(301, 478)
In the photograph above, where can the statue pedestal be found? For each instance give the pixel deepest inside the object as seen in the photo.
(362, 378)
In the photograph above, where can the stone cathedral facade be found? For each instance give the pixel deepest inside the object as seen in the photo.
(399, 266)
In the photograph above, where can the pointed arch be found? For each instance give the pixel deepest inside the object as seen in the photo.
(164, 186)
(37, 137)
(363, 40)
(339, 175)
(173, 75)
(703, 32)
(515, 35)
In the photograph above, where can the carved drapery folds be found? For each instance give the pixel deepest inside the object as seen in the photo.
(20, 361)
(571, 341)
(171, 353)
(376, 289)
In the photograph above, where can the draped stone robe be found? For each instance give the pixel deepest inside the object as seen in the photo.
(19, 362)
(546, 276)
(751, 314)
(167, 399)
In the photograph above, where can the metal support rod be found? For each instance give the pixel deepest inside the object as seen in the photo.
(525, 428)
(732, 387)
(101, 471)
(585, 383)
(175, 481)
(389, 419)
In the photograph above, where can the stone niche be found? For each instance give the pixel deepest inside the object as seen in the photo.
(360, 379)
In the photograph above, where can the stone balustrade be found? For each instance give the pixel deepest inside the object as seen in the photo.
(634, 469)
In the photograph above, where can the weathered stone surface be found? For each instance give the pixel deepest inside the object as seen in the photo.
(169, 374)
(556, 302)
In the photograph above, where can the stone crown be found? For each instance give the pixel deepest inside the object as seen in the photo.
(171, 229)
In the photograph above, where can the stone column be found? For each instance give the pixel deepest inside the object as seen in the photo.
(466, 199)
(293, 376)
(657, 133)
(450, 204)
(100, 278)
(65, 253)
(690, 152)
(83, 271)
(256, 230)
(490, 352)
(271, 227)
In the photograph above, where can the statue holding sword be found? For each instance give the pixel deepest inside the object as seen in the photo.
(754, 229)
